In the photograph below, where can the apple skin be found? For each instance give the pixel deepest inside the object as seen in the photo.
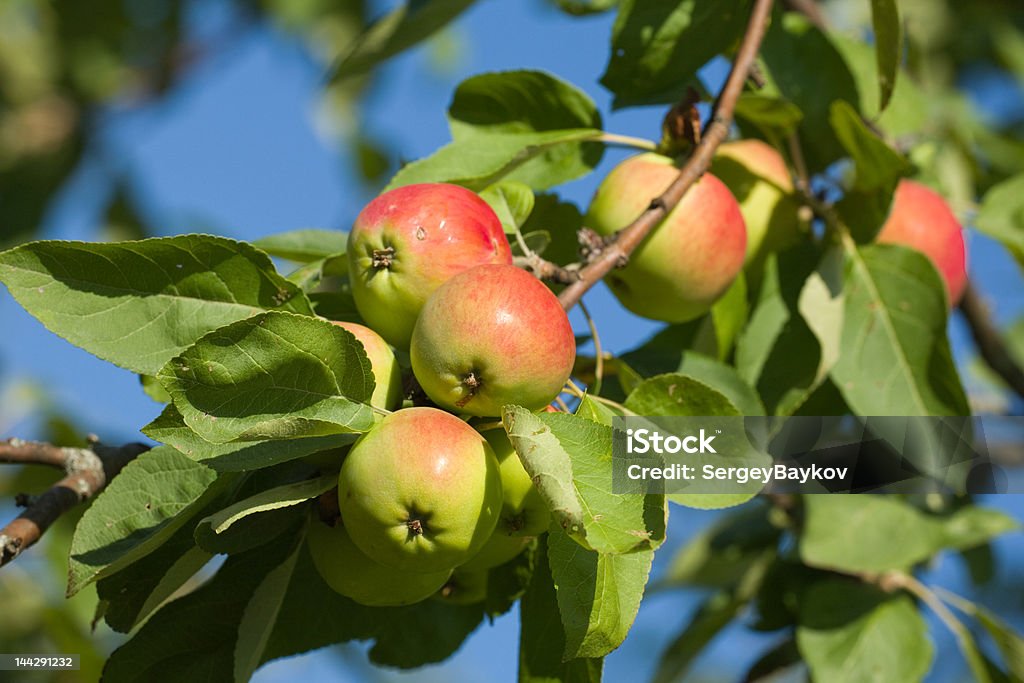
(421, 491)
(688, 261)
(410, 240)
(464, 588)
(757, 176)
(491, 336)
(523, 510)
(921, 219)
(500, 549)
(387, 375)
(348, 571)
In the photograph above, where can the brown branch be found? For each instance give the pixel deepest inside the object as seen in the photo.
(990, 343)
(714, 134)
(546, 270)
(87, 472)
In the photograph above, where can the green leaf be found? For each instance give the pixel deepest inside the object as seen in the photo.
(304, 246)
(878, 166)
(866, 533)
(271, 499)
(542, 637)
(238, 456)
(729, 315)
(579, 8)
(885, 18)
(407, 25)
(512, 201)
(971, 526)
(894, 356)
(128, 597)
(598, 594)
(275, 375)
(138, 304)
(773, 116)
(658, 46)
(477, 164)
(1009, 642)
(526, 126)
(570, 459)
(853, 633)
(802, 66)
(1001, 216)
(194, 637)
(151, 498)
(154, 389)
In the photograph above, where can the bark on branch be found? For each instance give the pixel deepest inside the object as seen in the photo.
(627, 239)
(87, 471)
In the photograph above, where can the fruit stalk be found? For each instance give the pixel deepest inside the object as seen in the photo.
(714, 134)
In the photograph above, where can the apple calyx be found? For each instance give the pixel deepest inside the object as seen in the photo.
(382, 258)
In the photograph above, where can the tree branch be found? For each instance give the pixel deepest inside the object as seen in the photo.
(988, 340)
(87, 472)
(714, 134)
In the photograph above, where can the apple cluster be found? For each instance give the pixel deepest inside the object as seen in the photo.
(432, 498)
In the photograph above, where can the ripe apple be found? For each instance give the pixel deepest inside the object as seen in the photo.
(421, 491)
(759, 179)
(921, 219)
(689, 259)
(410, 240)
(491, 336)
(387, 375)
(351, 573)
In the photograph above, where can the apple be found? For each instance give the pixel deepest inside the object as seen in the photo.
(410, 240)
(498, 550)
(921, 219)
(523, 510)
(689, 259)
(421, 491)
(491, 336)
(464, 588)
(758, 177)
(348, 571)
(387, 375)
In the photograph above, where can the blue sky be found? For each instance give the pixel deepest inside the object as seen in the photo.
(236, 151)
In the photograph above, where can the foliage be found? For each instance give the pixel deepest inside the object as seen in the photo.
(258, 384)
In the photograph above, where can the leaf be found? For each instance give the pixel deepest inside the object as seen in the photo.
(141, 508)
(1009, 642)
(239, 456)
(407, 25)
(193, 638)
(773, 116)
(128, 597)
(729, 315)
(138, 304)
(570, 459)
(850, 632)
(275, 375)
(894, 356)
(271, 499)
(676, 394)
(153, 389)
(658, 46)
(866, 533)
(512, 201)
(542, 637)
(1001, 215)
(304, 246)
(885, 18)
(971, 526)
(507, 582)
(802, 66)
(475, 164)
(598, 594)
(878, 166)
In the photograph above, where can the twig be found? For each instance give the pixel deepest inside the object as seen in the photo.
(546, 270)
(714, 134)
(598, 354)
(88, 471)
(988, 340)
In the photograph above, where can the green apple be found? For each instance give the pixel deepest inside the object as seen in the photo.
(498, 550)
(921, 219)
(464, 588)
(523, 510)
(409, 241)
(387, 375)
(421, 491)
(689, 259)
(758, 177)
(491, 336)
(348, 571)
